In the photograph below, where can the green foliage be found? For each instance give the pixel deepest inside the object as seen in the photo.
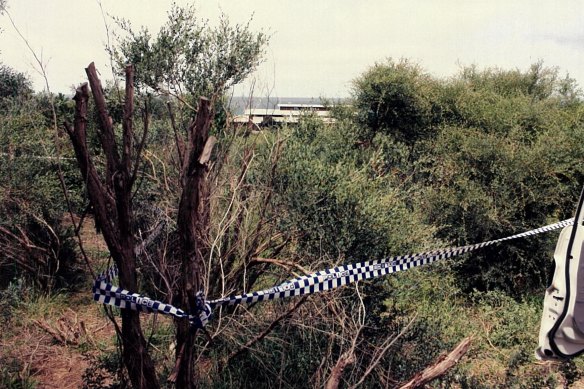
(395, 98)
(35, 242)
(333, 205)
(493, 152)
(14, 376)
(13, 84)
(516, 375)
(418, 349)
(509, 320)
(293, 360)
(188, 56)
(104, 372)
(570, 372)
(416, 163)
(499, 101)
(504, 331)
(10, 298)
(484, 186)
(538, 83)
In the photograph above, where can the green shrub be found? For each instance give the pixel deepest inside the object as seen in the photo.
(394, 98)
(485, 186)
(35, 242)
(336, 205)
(11, 297)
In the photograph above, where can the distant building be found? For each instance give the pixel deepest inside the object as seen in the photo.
(282, 113)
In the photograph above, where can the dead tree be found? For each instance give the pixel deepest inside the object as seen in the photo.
(111, 198)
(110, 194)
(193, 231)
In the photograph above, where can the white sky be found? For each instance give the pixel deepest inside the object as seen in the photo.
(317, 47)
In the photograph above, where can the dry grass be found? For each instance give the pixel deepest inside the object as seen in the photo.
(51, 347)
(53, 338)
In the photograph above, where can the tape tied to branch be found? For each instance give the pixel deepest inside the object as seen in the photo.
(106, 293)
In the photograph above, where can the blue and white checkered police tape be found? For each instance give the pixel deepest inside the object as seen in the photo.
(105, 293)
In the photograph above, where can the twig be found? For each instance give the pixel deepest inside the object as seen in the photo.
(285, 264)
(264, 333)
(173, 376)
(180, 145)
(383, 351)
(346, 359)
(146, 119)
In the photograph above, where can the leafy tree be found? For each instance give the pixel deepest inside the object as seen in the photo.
(188, 57)
(501, 101)
(185, 60)
(13, 85)
(539, 82)
(487, 151)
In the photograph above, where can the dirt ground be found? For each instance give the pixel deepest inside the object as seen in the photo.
(55, 350)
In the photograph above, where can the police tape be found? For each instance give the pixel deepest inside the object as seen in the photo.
(106, 293)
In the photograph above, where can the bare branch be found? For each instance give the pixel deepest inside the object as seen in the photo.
(106, 135)
(128, 120)
(146, 120)
(180, 144)
(193, 230)
(265, 332)
(288, 265)
(386, 346)
(113, 211)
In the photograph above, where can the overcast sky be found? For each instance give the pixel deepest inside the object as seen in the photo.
(317, 47)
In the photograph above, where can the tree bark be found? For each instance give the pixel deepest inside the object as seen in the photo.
(193, 229)
(345, 360)
(112, 204)
(441, 366)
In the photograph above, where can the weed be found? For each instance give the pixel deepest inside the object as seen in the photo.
(570, 372)
(11, 297)
(105, 372)
(14, 376)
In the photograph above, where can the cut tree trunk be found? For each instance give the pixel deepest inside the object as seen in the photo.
(112, 204)
(193, 229)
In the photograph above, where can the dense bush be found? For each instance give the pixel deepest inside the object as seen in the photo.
(495, 152)
(395, 98)
(333, 203)
(13, 85)
(35, 242)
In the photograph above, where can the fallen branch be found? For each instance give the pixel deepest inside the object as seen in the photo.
(55, 333)
(346, 359)
(61, 333)
(441, 366)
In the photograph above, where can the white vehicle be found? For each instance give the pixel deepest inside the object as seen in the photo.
(561, 333)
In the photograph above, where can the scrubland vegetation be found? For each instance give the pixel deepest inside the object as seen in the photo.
(412, 163)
